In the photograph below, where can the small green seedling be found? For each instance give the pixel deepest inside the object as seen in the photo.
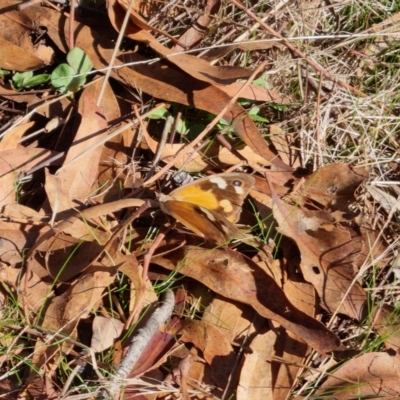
(69, 77)
(25, 80)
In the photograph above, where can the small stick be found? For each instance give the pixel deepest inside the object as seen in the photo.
(138, 343)
(72, 25)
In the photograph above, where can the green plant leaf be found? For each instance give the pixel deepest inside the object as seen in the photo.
(37, 80)
(20, 78)
(61, 77)
(68, 77)
(79, 61)
(161, 113)
(81, 64)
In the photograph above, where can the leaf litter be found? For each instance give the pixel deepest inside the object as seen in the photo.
(84, 260)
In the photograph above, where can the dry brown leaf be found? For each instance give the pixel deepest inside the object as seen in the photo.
(288, 346)
(241, 325)
(219, 52)
(287, 351)
(13, 57)
(225, 156)
(72, 184)
(64, 312)
(387, 324)
(105, 332)
(333, 185)
(14, 237)
(58, 250)
(114, 158)
(327, 257)
(283, 145)
(172, 85)
(155, 353)
(19, 97)
(13, 243)
(139, 287)
(234, 319)
(257, 375)
(372, 375)
(11, 139)
(17, 30)
(238, 278)
(214, 345)
(253, 92)
(35, 292)
(210, 156)
(14, 161)
(328, 253)
(20, 214)
(194, 66)
(77, 234)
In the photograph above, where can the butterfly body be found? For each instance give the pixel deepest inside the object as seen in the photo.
(210, 206)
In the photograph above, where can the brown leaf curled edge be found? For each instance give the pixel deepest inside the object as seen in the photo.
(236, 277)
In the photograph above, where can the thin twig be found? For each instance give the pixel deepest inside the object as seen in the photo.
(72, 25)
(138, 343)
(115, 52)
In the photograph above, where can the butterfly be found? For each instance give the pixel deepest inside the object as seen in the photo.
(210, 206)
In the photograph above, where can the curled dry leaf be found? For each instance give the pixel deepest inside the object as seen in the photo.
(234, 276)
(329, 252)
(327, 257)
(138, 29)
(198, 30)
(373, 375)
